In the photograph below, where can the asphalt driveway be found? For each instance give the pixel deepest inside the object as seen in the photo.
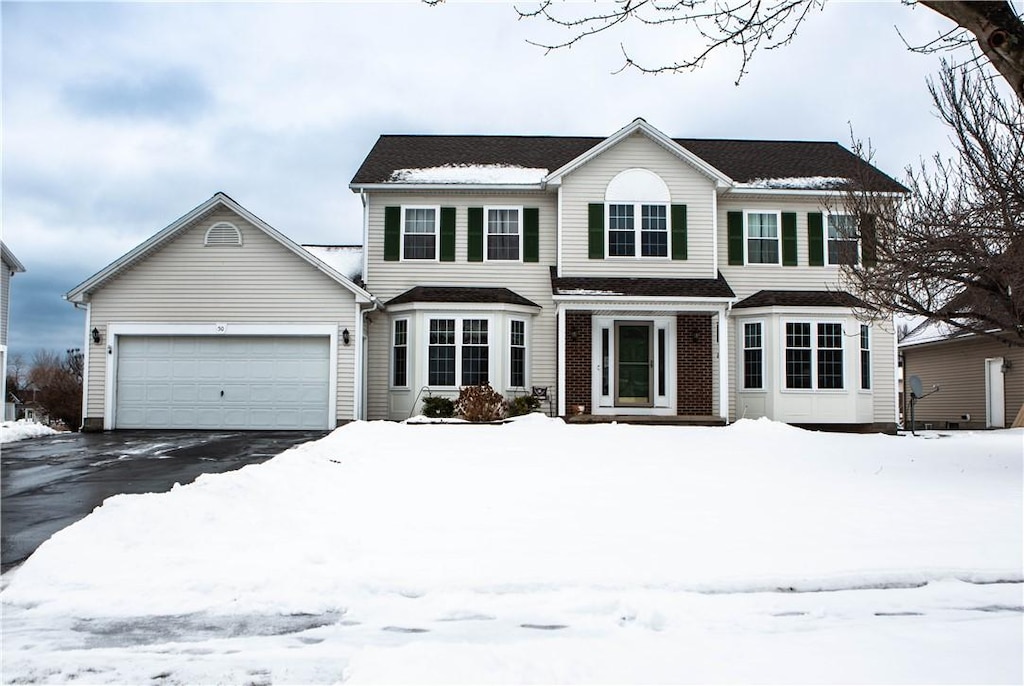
(48, 483)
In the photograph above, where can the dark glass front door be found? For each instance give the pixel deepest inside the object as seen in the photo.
(633, 364)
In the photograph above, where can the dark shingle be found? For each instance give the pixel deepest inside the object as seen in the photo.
(743, 161)
(801, 299)
(644, 288)
(460, 294)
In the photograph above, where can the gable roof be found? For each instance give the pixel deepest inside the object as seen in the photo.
(744, 162)
(81, 292)
(603, 287)
(9, 259)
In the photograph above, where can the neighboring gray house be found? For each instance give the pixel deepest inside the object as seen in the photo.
(980, 380)
(10, 266)
(633, 275)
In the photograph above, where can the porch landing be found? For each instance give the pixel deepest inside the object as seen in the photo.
(659, 420)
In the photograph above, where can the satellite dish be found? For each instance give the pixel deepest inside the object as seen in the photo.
(915, 387)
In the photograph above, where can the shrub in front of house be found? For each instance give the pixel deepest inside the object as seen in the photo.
(437, 407)
(522, 404)
(480, 404)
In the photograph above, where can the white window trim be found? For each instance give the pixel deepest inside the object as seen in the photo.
(741, 359)
(408, 354)
(437, 233)
(459, 318)
(747, 237)
(487, 232)
(526, 354)
(638, 230)
(824, 238)
(814, 322)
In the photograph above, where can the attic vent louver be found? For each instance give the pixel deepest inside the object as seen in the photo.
(223, 233)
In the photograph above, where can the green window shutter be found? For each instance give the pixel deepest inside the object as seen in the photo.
(392, 233)
(531, 234)
(679, 232)
(595, 229)
(789, 257)
(735, 237)
(868, 240)
(815, 240)
(447, 234)
(475, 238)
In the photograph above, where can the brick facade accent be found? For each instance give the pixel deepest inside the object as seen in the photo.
(578, 353)
(694, 364)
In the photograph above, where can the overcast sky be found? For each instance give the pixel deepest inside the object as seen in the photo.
(120, 118)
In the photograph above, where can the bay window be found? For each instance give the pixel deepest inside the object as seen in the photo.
(753, 356)
(814, 355)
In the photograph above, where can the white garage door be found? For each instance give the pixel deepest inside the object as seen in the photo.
(222, 382)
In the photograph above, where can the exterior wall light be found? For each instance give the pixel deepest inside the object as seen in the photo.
(95, 335)
(345, 337)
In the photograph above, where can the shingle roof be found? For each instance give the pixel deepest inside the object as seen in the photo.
(644, 288)
(801, 299)
(460, 294)
(744, 161)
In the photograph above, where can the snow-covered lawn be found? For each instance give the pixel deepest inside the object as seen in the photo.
(540, 552)
(22, 429)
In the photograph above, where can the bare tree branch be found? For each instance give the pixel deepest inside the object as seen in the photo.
(953, 250)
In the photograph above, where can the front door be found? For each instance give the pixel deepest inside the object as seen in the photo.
(634, 364)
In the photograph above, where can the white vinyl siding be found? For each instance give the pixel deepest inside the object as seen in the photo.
(528, 279)
(747, 279)
(687, 186)
(186, 282)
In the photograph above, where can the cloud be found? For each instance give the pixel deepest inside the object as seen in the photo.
(175, 95)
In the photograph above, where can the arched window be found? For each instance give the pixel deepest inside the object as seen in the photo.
(637, 210)
(223, 233)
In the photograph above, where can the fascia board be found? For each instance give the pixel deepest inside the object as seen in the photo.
(721, 179)
(432, 306)
(10, 260)
(639, 302)
(76, 294)
(79, 292)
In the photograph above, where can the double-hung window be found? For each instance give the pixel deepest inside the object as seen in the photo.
(475, 352)
(763, 240)
(865, 357)
(458, 352)
(753, 356)
(830, 355)
(625, 233)
(814, 355)
(419, 233)
(504, 233)
(400, 354)
(441, 353)
(842, 239)
(517, 353)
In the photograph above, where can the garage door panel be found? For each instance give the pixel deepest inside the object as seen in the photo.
(223, 382)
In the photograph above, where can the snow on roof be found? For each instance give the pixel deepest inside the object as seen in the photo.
(814, 183)
(344, 259)
(585, 291)
(471, 173)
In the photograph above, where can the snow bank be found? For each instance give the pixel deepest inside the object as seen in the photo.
(471, 173)
(22, 429)
(381, 508)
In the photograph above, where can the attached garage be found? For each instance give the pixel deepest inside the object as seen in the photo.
(219, 321)
(223, 382)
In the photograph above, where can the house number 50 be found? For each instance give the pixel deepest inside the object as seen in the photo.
(220, 328)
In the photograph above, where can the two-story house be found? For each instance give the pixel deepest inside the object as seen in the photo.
(630, 275)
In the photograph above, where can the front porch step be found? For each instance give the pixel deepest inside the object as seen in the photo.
(661, 420)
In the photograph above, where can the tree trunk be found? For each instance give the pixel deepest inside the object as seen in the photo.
(999, 31)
